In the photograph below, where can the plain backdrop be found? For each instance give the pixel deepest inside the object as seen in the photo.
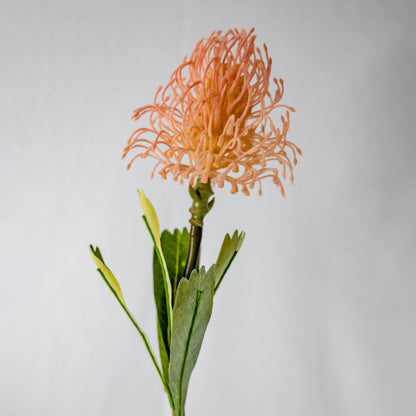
(317, 314)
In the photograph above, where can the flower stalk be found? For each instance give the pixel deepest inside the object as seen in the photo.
(202, 203)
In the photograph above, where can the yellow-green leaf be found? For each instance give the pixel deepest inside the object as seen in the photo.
(151, 217)
(114, 286)
(108, 276)
(152, 224)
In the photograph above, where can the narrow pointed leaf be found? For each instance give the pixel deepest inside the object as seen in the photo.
(107, 275)
(151, 217)
(191, 314)
(174, 249)
(163, 330)
(164, 353)
(152, 224)
(114, 286)
(229, 250)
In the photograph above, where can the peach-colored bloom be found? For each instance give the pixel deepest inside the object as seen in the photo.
(213, 119)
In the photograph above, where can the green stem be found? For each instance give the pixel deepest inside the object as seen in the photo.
(202, 203)
(195, 237)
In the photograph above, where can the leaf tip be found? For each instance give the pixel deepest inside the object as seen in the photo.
(142, 196)
(96, 253)
(241, 239)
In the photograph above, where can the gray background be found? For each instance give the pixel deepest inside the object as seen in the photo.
(317, 315)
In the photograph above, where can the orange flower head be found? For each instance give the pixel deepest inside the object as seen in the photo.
(213, 119)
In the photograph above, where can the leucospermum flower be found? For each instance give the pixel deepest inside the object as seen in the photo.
(213, 119)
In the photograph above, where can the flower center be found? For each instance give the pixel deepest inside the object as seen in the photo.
(221, 107)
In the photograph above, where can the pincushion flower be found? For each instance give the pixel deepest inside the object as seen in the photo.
(213, 119)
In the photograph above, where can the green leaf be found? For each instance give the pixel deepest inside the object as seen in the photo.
(152, 224)
(191, 314)
(174, 249)
(229, 250)
(114, 286)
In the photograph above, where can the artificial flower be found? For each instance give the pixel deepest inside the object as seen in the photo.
(213, 120)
